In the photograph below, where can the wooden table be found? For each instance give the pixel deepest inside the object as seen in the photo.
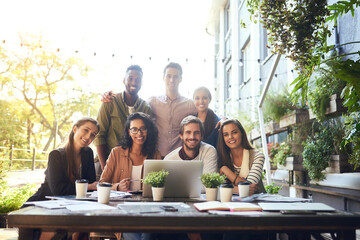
(32, 219)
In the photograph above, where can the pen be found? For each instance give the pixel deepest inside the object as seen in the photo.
(135, 180)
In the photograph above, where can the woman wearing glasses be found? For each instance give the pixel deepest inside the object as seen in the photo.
(126, 161)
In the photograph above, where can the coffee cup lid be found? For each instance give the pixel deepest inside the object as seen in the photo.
(244, 183)
(226, 185)
(82, 181)
(105, 184)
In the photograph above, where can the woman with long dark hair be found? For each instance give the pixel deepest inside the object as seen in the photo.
(239, 161)
(202, 99)
(126, 161)
(75, 160)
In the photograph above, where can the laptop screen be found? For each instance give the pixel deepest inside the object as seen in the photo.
(183, 180)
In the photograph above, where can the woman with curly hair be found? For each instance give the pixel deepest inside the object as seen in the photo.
(126, 161)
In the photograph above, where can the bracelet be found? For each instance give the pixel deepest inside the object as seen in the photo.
(235, 180)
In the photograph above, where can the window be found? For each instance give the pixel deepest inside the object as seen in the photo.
(264, 43)
(246, 61)
(227, 18)
(227, 84)
(227, 22)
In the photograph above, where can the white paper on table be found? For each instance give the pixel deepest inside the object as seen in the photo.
(54, 204)
(88, 206)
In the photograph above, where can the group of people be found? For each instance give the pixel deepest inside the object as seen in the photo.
(129, 130)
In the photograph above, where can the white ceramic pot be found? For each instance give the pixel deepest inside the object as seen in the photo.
(158, 193)
(211, 194)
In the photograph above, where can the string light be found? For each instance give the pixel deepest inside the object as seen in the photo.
(96, 53)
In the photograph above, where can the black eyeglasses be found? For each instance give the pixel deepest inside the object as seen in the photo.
(136, 130)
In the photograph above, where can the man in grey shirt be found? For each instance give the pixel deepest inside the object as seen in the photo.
(191, 133)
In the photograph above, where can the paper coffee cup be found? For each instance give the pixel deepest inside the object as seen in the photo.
(81, 186)
(226, 191)
(244, 188)
(103, 192)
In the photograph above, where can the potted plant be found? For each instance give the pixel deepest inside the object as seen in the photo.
(157, 182)
(282, 152)
(211, 182)
(317, 149)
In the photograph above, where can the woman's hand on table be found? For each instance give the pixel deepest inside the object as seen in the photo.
(92, 186)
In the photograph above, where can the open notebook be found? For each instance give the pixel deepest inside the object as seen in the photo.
(183, 180)
(227, 206)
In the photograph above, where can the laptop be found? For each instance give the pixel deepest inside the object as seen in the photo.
(296, 206)
(183, 180)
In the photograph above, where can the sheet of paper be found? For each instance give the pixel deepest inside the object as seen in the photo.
(88, 206)
(51, 204)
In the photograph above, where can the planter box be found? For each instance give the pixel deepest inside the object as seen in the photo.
(339, 164)
(340, 180)
(273, 128)
(298, 116)
(335, 105)
(311, 114)
(294, 163)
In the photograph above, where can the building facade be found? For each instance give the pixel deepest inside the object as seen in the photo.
(243, 63)
(242, 60)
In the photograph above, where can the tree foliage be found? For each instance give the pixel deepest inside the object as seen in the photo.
(45, 80)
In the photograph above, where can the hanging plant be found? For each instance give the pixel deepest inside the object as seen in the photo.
(277, 105)
(298, 29)
(290, 24)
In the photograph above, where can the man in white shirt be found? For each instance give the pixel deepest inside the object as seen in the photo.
(191, 133)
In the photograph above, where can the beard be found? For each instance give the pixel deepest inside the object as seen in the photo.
(192, 148)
